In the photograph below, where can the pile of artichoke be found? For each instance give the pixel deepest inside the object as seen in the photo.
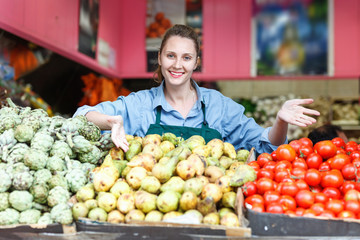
(166, 178)
(44, 161)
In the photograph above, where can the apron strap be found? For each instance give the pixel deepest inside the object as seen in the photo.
(158, 114)
(203, 110)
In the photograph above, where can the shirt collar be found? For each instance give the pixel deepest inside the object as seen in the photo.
(161, 101)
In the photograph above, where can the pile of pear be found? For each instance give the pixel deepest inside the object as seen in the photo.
(161, 178)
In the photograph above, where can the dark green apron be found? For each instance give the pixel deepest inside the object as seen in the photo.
(184, 132)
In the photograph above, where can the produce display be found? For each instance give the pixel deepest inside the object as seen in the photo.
(163, 177)
(300, 179)
(57, 170)
(44, 161)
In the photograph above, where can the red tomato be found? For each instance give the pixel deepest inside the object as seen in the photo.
(352, 194)
(299, 211)
(309, 213)
(287, 202)
(263, 158)
(289, 188)
(254, 165)
(270, 197)
(325, 148)
(264, 184)
(327, 214)
(273, 155)
(349, 171)
(346, 214)
(340, 150)
(263, 172)
(298, 173)
(353, 206)
(332, 178)
(339, 142)
(335, 205)
(332, 193)
(258, 207)
(351, 146)
(299, 163)
(305, 151)
(321, 197)
(270, 165)
(302, 185)
(285, 152)
(282, 165)
(295, 144)
(275, 207)
(339, 161)
(312, 177)
(346, 186)
(306, 142)
(318, 208)
(249, 189)
(355, 154)
(356, 162)
(324, 166)
(316, 189)
(281, 174)
(256, 198)
(305, 198)
(314, 160)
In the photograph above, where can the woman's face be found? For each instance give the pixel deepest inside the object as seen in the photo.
(178, 60)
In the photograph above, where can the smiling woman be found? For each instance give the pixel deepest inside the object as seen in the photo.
(181, 107)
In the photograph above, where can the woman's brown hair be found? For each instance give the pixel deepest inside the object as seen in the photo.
(181, 31)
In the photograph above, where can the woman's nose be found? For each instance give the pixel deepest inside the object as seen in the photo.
(178, 63)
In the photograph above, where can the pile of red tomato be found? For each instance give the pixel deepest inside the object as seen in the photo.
(300, 179)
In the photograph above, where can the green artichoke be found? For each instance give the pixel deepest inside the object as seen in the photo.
(9, 216)
(55, 164)
(30, 216)
(45, 219)
(4, 201)
(58, 180)
(90, 131)
(17, 153)
(21, 200)
(24, 133)
(81, 145)
(58, 195)
(42, 176)
(91, 157)
(22, 180)
(42, 141)
(5, 181)
(40, 192)
(61, 149)
(61, 213)
(76, 179)
(35, 159)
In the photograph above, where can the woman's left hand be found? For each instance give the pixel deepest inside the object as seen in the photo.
(292, 112)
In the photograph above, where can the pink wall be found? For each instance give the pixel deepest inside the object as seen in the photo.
(347, 37)
(226, 28)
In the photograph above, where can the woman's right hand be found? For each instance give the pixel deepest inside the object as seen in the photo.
(118, 133)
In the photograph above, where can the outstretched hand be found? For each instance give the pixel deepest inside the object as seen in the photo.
(292, 112)
(118, 133)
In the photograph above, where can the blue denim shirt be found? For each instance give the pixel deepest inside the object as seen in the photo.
(138, 110)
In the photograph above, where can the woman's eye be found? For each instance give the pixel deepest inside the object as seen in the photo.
(187, 58)
(170, 55)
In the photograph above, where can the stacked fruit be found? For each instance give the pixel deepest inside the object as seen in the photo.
(158, 27)
(44, 160)
(163, 177)
(304, 180)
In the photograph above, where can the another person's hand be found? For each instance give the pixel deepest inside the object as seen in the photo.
(292, 112)
(118, 133)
